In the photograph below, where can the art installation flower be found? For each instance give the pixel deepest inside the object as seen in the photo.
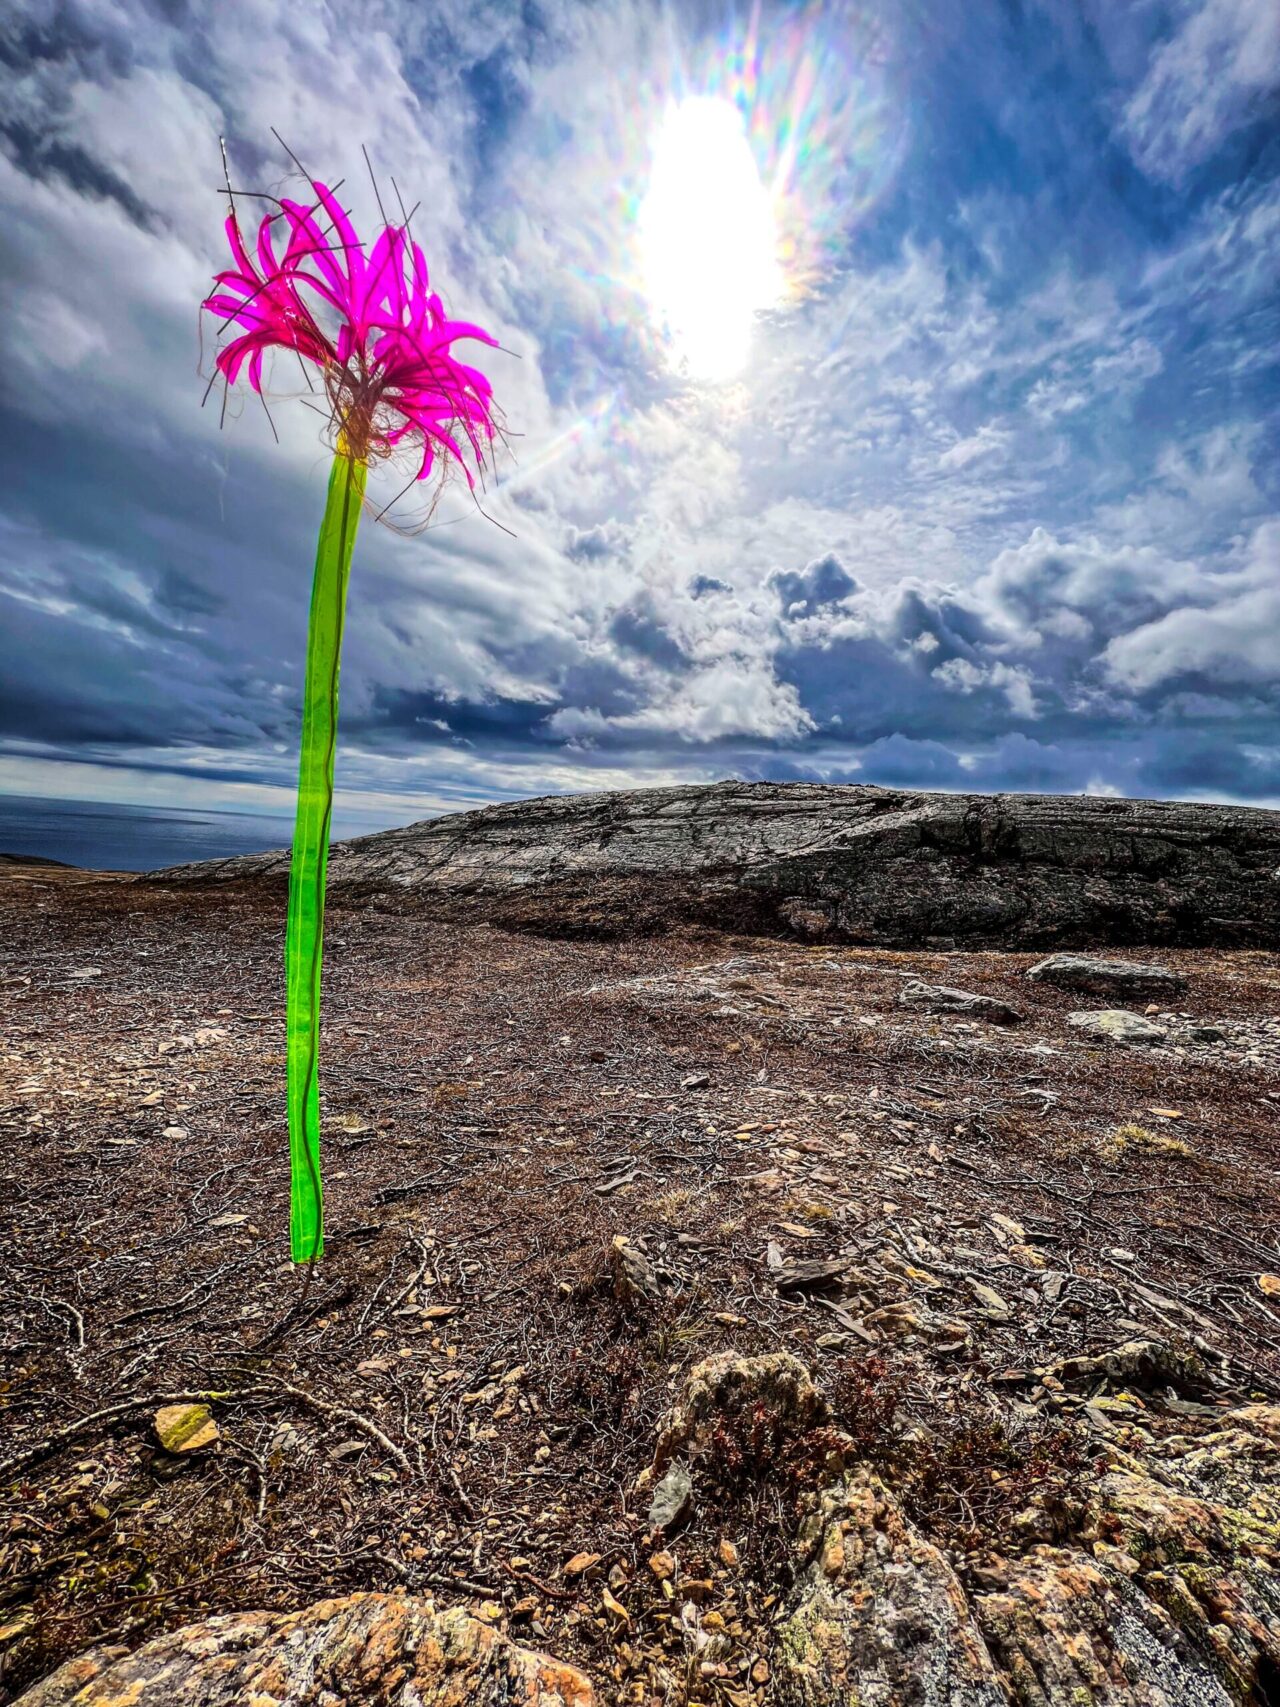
(381, 344)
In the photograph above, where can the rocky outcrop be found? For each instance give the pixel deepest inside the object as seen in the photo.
(367, 1650)
(1151, 1581)
(879, 1615)
(1166, 1592)
(848, 863)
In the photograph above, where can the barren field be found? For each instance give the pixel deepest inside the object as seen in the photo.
(928, 1210)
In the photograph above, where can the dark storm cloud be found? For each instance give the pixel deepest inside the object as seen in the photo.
(822, 582)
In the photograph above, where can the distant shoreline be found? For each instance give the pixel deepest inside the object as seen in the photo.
(37, 859)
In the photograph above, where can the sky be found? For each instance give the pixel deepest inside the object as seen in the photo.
(893, 396)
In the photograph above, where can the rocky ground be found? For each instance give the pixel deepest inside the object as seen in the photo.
(705, 1318)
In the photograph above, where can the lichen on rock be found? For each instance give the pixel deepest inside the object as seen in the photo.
(365, 1650)
(880, 1616)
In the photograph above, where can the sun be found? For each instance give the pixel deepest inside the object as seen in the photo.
(708, 237)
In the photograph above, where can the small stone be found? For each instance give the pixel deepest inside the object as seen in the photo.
(581, 1563)
(938, 999)
(671, 1499)
(1007, 1224)
(1118, 1026)
(663, 1566)
(695, 1081)
(185, 1428)
(728, 1553)
(285, 1440)
(616, 1607)
(990, 1300)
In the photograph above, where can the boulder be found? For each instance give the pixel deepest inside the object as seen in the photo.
(938, 999)
(1118, 1026)
(1096, 977)
(365, 1650)
(844, 863)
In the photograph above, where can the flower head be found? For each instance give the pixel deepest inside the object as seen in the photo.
(368, 321)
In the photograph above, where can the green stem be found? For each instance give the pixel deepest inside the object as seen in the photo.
(304, 938)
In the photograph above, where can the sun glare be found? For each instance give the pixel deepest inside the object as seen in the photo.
(708, 238)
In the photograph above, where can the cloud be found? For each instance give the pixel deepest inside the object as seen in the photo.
(988, 441)
(1229, 641)
(1214, 75)
(803, 592)
(993, 504)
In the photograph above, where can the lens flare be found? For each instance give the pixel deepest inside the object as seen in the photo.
(672, 227)
(708, 238)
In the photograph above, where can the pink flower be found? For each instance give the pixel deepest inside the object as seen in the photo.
(368, 322)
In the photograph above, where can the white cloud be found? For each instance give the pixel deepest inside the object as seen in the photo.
(1203, 83)
(989, 441)
(1232, 639)
(1013, 681)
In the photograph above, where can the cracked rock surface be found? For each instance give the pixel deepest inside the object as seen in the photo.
(831, 862)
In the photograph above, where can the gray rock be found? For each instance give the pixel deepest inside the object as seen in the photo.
(852, 863)
(1106, 977)
(1118, 1026)
(1150, 1364)
(938, 999)
(671, 1499)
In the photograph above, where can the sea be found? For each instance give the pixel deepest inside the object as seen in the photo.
(106, 837)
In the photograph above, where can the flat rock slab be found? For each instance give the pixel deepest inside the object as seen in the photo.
(1118, 1026)
(1106, 977)
(844, 863)
(365, 1650)
(938, 999)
